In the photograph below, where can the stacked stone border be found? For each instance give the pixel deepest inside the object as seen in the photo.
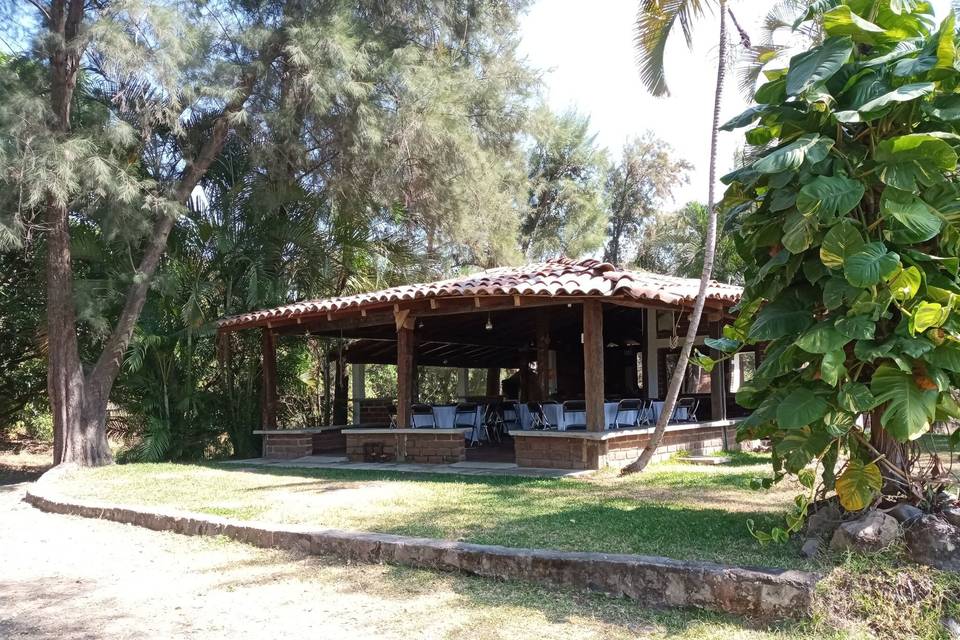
(767, 594)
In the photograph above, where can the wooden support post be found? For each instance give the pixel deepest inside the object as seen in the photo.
(593, 364)
(405, 375)
(359, 389)
(543, 354)
(718, 383)
(493, 382)
(463, 382)
(268, 407)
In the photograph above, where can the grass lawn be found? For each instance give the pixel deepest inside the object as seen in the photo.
(673, 509)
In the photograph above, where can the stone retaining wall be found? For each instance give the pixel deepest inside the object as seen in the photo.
(428, 446)
(652, 581)
(287, 446)
(554, 450)
(326, 441)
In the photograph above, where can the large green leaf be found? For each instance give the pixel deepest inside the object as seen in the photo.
(905, 93)
(871, 264)
(838, 292)
(746, 118)
(840, 242)
(858, 484)
(913, 160)
(829, 196)
(821, 338)
(905, 284)
(842, 21)
(946, 44)
(726, 345)
(798, 232)
(946, 356)
(916, 222)
(856, 327)
(818, 64)
(928, 314)
(909, 408)
(943, 107)
(832, 367)
(789, 314)
(800, 408)
(856, 397)
(791, 156)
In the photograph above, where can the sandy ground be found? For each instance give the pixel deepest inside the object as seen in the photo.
(72, 578)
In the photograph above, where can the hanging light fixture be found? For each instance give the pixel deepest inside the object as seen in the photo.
(489, 325)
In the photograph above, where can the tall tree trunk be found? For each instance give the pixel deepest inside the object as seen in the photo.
(76, 437)
(340, 388)
(670, 401)
(78, 402)
(895, 465)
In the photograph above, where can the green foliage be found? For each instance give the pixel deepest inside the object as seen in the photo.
(858, 484)
(566, 212)
(672, 242)
(847, 224)
(636, 188)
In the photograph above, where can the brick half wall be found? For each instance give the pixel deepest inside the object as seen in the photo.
(425, 446)
(286, 446)
(555, 451)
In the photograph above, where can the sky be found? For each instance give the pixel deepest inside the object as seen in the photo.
(587, 52)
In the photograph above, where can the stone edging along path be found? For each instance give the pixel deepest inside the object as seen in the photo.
(652, 581)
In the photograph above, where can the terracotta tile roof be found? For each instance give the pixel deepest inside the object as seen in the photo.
(558, 277)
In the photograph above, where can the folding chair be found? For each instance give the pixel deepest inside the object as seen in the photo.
(628, 414)
(538, 419)
(683, 410)
(465, 415)
(575, 415)
(646, 413)
(510, 413)
(551, 404)
(392, 412)
(422, 417)
(492, 420)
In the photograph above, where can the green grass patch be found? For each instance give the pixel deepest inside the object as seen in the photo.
(678, 511)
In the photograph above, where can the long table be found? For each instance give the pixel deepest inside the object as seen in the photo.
(445, 415)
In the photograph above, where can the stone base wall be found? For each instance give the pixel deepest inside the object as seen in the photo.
(327, 441)
(576, 452)
(375, 411)
(287, 446)
(428, 446)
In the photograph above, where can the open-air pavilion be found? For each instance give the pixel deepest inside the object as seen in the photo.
(584, 339)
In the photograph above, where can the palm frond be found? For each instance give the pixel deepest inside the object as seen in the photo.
(656, 20)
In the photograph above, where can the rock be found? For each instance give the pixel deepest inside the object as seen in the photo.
(824, 521)
(952, 515)
(905, 513)
(942, 499)
(870, 532)
(952, 627)
(933, 541)
(810, 548)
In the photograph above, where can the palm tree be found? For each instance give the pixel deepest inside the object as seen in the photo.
(656, 21)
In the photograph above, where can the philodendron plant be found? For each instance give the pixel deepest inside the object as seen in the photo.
(849, 218)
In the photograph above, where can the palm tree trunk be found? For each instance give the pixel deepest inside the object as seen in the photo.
(670, 401)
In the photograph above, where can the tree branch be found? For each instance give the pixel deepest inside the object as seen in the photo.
(108, 365)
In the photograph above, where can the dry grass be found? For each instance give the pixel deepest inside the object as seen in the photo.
(63, 585)
(675, 510)
(23, 460)
(882, 596)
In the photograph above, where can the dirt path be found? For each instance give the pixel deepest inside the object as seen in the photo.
(72, 578)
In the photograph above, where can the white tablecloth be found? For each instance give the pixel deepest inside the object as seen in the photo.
(445, 415)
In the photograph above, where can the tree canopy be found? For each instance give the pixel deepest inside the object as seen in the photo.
(847, 226)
